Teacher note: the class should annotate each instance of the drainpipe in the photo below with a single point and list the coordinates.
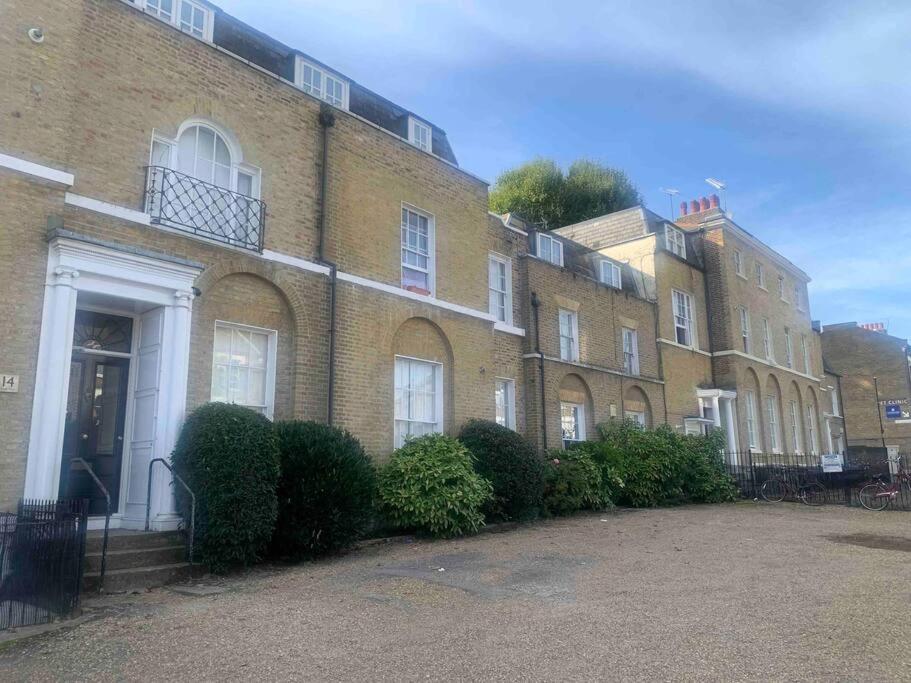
(535, 304)
(327, 121)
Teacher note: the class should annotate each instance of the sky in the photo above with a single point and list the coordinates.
(802, 108)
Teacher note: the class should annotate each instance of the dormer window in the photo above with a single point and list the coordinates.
(550, 249)
(321, 83)
(419, 134)
(189, 16)
(610, 274)
(674, 241)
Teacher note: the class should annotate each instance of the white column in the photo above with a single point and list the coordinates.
(172, 403)
(829, 436)
(731, 428)
(55, 348)
(716, 410)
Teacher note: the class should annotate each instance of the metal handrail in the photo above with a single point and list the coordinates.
(186, 488)
(107, 516)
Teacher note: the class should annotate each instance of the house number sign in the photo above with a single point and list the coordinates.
(9, 383)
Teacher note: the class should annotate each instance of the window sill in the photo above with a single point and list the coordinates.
(742, 276)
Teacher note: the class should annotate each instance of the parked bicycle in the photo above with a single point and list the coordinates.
(776, 489)
(878, 494)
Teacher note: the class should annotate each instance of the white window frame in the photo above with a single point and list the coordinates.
(768, 348)
(794, 415)
(415, 128)
(637, 416)
(771, 404)
(571, 353)
(268, 407)
(813, 443)
(555, 247)
(834, 398)
(611, 275)
(760, 276)
(788, 349)
(751, 419)
(174, 20)
(798, 299)
(738, 263)
(690, 319)
(805, 352)
(630, 347)
(431, 248)
(438, 393)
(507, 389)
(745, 329)
(494, 293)
(578, 412)
(674, 241)
(324, 76)
(781, 289)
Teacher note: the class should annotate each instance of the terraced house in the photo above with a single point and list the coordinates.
(736, 344)
(192, 211)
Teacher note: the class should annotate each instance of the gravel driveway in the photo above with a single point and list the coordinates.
(733, 592)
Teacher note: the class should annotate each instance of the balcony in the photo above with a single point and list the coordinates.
(190, 205)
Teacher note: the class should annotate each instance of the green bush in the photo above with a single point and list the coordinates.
(510, 464)
(572, 482)
(646, 468)
(325, 493)
(229, 457)
(430, 485)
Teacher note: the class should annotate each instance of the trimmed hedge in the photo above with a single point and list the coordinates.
(228, 456)
(647, 468)
(511, 465)
(430, 485)
(572, 482)
(325, 493)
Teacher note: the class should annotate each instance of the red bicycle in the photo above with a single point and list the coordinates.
(877, 495)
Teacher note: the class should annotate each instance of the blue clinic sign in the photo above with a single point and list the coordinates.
(893, 411)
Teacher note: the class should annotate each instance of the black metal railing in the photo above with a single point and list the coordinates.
(81, 463)
(186, 488)
(191, 205)
(750, 470)
(42, 556)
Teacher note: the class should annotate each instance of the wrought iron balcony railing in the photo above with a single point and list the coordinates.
(186, 203)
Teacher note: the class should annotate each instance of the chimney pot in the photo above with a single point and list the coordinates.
(694, 206)
(704, 203)
(713, 200)
(682, 208)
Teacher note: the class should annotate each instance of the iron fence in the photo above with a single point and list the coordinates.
(792, 473)
(42, 552)
(191, 205)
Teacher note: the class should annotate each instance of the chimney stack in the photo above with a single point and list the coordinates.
(875, 327)
(683, 210)
(704, 204)
(713, 201)
(694, 206)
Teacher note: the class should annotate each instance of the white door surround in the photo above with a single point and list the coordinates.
(723, 414)
(84, 266)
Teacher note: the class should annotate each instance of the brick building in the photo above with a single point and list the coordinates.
(736, 345)
(873, 368)
(193, 211)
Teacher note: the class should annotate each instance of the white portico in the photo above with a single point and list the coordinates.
(720, 406)
(111, 380)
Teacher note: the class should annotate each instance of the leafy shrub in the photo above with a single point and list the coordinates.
(572, 482)
(326, 490)
(510, 464)
(430, 485)
(228, 456)
(646, 468)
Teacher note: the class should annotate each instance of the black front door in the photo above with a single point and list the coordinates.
(95, 412)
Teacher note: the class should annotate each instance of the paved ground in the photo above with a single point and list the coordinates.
(734, 592)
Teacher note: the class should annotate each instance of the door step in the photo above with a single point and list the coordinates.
(136, 560)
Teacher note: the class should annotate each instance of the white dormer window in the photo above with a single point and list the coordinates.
(189, 16)
(674, 241)
(550, 249)
(419, 134)
(321, 83)
(610, 274)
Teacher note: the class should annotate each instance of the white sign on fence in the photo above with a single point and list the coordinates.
(832, 462)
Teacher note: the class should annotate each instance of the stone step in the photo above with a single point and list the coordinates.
(138, 557)
(121, 539)
(138, 578)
